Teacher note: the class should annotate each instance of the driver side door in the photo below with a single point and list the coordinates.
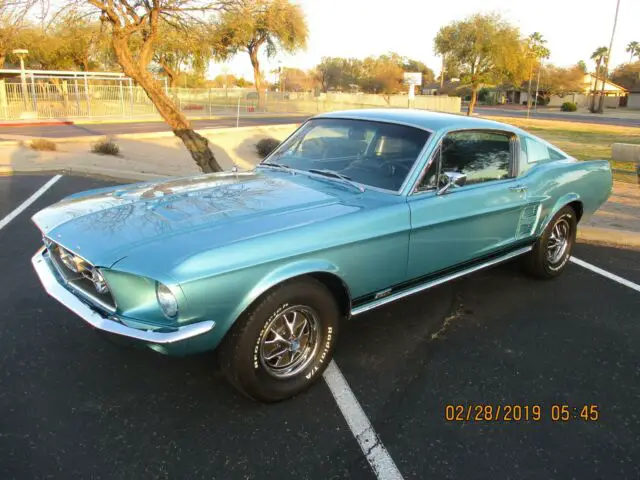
(473, 221)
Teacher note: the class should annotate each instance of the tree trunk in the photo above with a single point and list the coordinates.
(257, 78)
(474, 97)
(529, 88)
(197, 145)
(595, 89)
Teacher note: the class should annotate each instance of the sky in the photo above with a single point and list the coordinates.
(360, 28)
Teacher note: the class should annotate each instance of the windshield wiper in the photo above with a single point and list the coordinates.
(278, 165)
(338, 175)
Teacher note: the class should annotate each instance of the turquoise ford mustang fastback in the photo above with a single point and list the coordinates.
(353, 211)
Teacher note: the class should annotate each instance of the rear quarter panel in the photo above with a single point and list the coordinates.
(558, 183)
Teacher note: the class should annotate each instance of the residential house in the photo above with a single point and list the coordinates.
(615, 95)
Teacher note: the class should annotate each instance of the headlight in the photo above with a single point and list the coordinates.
(166, 300)
(99, 282)
(71, 261)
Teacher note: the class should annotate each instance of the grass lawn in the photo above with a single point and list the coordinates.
(585, 141)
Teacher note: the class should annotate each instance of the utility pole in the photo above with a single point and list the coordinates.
(606, 61)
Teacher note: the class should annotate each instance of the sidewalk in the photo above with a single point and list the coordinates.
(160, 154)
(619, 217)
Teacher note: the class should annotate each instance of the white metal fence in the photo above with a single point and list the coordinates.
(80, 100)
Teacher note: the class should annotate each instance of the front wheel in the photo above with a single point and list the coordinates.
(283, 343)
(551, 252)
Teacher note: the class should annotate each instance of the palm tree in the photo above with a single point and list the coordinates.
(536, 51)
(634, 50)
(597, 56)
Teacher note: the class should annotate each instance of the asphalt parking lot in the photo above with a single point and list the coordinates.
(73, 405)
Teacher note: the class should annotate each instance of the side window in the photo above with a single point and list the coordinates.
(481, 156)
(538, 152)
(534, 152)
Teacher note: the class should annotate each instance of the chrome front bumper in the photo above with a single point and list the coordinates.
(57, 290)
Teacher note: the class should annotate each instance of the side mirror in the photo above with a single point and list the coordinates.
(450, 179)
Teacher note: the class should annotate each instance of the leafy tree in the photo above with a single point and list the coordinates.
(335, 73)
(180, 48)
(243, 83)
(598, 56)
(224, 80)
(296, 80)
(486, 50)
(383, 74)
(249, 25)
(561, 81)
(12, 16)
(633, 48)
(627, 75)
(582, 66)
(80, 41)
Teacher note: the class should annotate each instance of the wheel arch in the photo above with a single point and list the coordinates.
(572, 200)
(322, 271)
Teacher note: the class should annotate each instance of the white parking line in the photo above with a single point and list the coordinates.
(360, 426)
(24, 205)
(604, 273)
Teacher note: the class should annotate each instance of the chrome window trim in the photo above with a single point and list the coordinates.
(514, 143)
(403, 187)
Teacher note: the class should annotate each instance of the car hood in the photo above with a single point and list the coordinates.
(104, 226)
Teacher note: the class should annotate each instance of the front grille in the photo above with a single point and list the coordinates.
(78, 276)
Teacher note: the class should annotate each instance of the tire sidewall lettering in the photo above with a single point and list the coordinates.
(323, 356)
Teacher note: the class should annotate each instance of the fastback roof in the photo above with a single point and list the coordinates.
(420, 118)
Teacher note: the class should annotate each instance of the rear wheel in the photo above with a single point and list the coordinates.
(552, 251)
(283, 343)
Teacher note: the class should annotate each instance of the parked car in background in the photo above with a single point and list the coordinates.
(353, 211)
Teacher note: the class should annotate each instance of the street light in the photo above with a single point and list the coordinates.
(21, 53)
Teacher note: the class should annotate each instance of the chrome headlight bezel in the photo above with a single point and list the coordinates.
(166, 300)
(99, 282)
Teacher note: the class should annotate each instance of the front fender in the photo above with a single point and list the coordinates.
(283, 273)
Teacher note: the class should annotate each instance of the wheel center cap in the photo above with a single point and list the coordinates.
(295, 345)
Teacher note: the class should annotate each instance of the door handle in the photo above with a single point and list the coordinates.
(518, 188)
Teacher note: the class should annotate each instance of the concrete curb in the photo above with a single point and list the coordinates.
(207, 132)
(608, 236)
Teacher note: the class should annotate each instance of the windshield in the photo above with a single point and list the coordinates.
(371, 153)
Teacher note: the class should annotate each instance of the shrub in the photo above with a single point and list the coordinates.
(265, 146)
(106, 147)
(568, 107)
(542, 100)
(42, 144)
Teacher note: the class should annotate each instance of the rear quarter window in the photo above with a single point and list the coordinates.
(533, 152)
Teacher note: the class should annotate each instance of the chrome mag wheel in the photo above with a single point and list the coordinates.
(558, 241)
(290, 341)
